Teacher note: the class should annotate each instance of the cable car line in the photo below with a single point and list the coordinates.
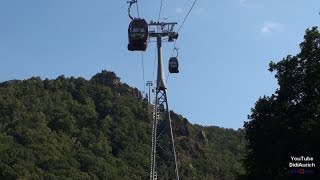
(143, 80)
(160, 10)
(184, 20)
(154, 62)
(167, 80)
(186, 16)
(137, 9)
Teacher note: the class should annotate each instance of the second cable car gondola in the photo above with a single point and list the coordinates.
(173, 65)
(138, 35)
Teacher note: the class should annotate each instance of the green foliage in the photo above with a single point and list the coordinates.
(72, 128)
(287, 123)
(208, 152)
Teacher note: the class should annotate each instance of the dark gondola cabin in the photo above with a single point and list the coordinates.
(138, 35)
(173, 65)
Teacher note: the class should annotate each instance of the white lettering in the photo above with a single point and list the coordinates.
(292, 158)
(308, 158)
(302, 165)
(313, 165)
(301, 158)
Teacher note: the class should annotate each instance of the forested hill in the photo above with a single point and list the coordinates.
(99, 129)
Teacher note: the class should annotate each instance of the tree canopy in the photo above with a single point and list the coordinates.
(287, 123)
(73, 128)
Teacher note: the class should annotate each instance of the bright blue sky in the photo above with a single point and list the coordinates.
(225, 47)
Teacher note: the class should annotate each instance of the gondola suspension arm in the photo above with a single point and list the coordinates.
(129, 9)
(176, 49)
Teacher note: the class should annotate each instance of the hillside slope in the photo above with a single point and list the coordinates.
(99, 129)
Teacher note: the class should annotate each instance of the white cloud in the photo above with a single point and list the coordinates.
(250, 4)
(271, 26)
(199, 10)
(243, 2)
(179, 10)
(196, 11)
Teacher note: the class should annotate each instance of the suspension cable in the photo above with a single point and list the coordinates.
(138, 9)
(168, 74)
(142, 63)
(184, 20)
(187, 15)
(154, 63)
(160, 10)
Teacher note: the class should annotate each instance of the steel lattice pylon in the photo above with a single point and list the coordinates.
(163, 154)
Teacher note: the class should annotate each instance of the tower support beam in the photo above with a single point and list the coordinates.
(162, 125)
(149, 84)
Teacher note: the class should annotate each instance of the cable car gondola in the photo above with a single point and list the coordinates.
(138, 35)
(173, 65)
